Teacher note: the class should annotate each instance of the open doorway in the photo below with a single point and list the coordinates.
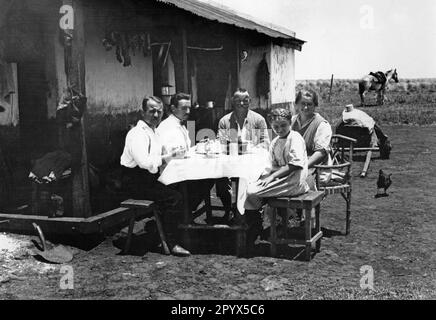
(29, 133)
(37, 134)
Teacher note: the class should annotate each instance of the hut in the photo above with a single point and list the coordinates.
(114, 53)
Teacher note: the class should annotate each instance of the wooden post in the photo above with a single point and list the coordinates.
(75, 137)
(185, 61)
(238, 63)
(331, 87)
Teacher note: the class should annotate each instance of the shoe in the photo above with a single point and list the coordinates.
(179, 251)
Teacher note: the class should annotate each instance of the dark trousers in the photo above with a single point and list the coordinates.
(143, 185)
(198, 190)
(224, 192)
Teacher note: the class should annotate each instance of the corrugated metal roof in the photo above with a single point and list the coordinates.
(228, 16)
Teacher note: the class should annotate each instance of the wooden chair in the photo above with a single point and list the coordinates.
(141, 209)
(336, 178)
(306, 202)
(364, 142)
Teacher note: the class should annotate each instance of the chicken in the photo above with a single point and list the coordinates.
(384, 182)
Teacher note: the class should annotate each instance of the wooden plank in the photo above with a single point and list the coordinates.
(335, 189)
(363, 149)
(316, 237)
(211, 227)
(65, 225)
(105, 215)
(4, 216)
(306, 201)
(290, 241)
(105, 221)
(22, 224)
(131, 203)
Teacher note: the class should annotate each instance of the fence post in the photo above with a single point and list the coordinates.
(331, 87)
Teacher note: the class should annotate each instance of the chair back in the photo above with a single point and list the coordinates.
(361, 135)
(337, 173)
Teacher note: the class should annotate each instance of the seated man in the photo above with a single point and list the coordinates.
(315, 130)
(141, 159)
(172, 131)
(174, 135)
(243, 124)
(240, 125)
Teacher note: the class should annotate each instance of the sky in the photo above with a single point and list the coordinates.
(350, 38)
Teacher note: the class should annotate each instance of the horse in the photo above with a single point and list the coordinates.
(376, 82)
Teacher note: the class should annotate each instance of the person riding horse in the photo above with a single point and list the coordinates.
(376, 81)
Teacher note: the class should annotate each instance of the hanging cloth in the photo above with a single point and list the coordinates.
(262, 78)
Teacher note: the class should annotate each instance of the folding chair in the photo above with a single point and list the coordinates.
(335, 178)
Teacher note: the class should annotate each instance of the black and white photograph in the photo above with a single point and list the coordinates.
(217, 155)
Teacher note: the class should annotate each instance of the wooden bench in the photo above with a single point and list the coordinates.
(306, 202)
(141, 209)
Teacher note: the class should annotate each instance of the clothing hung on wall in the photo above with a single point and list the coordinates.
(262, 78)
(51, 166)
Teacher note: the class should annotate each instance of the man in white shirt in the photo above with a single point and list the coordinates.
(172, 132)
(174, 135)
(141, 159)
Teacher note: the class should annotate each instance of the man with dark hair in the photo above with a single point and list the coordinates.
(172, 132)
(141, 159)
(240, 125)
(174, 136)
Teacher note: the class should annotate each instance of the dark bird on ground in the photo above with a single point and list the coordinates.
(384, 182)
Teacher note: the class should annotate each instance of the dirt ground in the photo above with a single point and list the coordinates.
(394, 235)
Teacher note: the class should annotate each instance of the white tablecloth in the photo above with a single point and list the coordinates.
(247, 168)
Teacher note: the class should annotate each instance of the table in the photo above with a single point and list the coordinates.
(248, 167)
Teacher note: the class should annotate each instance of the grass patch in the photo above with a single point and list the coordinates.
(411, 101)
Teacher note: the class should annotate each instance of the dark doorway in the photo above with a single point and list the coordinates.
(35, 130)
